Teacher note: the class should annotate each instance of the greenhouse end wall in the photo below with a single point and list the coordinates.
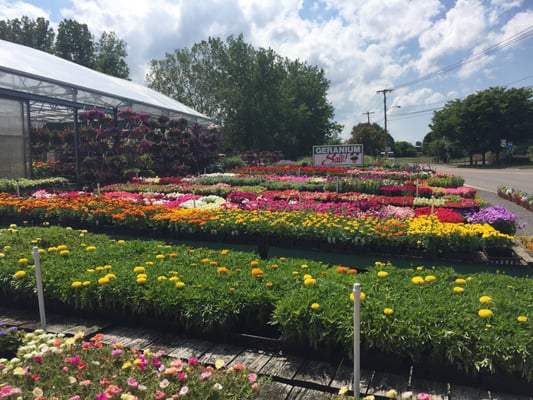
(14, 139)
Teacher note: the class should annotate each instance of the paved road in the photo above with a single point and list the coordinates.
(488, 180)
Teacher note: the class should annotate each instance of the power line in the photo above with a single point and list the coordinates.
(498, 46)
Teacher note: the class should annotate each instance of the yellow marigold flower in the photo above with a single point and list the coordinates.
(172, 255)
(141, 280)
(19, 274)
(61, 247)
(173, 279)
(522, 318)
(126, 365)
(86, 283)
(190, 251)
(307, 276)
(111, 276)
(304, 266)
(90, 248)
(488, 326)
(283, 258)
(275, 266)
(160, 256)
(64, 253)
(420, 268)
(269, 284)
(257, 272)
(121, 241)
(430, 278)
(362, 296)
(23, 261)
(99, 268)
(458, 289)
(310, 282)
(484, 313)
(2, 255)
(231, 289)
(391, 394)
(139, 276)
(224, 252)
(485, 299)
(52, 249)
(417, 280)
(139, 269)
(254, 263)
(315, 306)
(222, 270)
(383, 274)
(295, 273)
(41, 251)
(180, 285)
(149, 263)
(213, 263)
(460, 281)
(76, 284)
(388, 311)
(103, 281)
(161, 278)
(12, 226)
(107, 266)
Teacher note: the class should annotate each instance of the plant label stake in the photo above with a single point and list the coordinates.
(39, 281)
(356, 338)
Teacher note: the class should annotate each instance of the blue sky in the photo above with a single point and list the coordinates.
(427, 51)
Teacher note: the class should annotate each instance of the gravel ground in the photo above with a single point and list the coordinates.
(525, 217)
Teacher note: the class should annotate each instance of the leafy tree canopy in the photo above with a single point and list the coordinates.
(263, 101)
(480, 122)
(73, 42)
(36, 34)
(373, 138)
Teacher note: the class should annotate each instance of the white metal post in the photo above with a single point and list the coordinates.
(356, 339)
(39, 281)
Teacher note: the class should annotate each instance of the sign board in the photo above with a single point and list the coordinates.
(338, 155)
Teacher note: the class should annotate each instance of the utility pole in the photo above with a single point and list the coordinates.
(368, 115)
(384, 91)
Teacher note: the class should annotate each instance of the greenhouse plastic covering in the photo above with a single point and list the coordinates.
(56, 83)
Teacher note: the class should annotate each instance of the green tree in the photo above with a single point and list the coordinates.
(110, 55)
(482, 120)
(404, 149)
(74, 42)
(263, 101)
(373, 138)
(32, 33)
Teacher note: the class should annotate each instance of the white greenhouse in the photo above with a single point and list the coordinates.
(38, 88)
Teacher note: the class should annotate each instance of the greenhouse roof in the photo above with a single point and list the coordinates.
(53, 85)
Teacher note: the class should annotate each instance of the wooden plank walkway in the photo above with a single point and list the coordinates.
(293, 377)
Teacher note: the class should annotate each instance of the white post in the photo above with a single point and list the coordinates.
(356, 339)
(39, 281)
(98, 189)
